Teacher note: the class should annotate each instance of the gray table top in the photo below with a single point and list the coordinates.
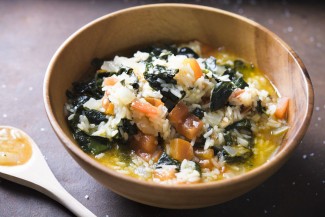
(30, 33)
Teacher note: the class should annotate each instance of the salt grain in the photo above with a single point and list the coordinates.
(311, 154)
(304, 156)
(270, 21)
(42, 129)
(87, 197)
(240, 11)
(317, 108)
(319, 118)
(4, 115)
(308, 183)
(3, 86)
(30, 88)
(290, 29)
(265, 211)
(293, 183)
(311, 39)
(319, 45)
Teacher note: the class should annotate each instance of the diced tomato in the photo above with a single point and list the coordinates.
(178, 114)
(164, 175)
(108, 106)
(145, 143)
(191, 127)
(181, 149)
(282, 107)
(186, 124)
(154, 101)
(194, 66)
(110, 81)
(144, 107)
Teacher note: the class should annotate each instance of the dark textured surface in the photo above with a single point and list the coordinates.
(30, 33)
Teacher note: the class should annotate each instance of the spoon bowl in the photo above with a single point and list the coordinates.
(36, 174)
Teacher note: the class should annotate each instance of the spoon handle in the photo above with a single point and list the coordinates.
(59, 194)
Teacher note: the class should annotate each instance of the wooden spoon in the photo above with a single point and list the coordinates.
(21, 161)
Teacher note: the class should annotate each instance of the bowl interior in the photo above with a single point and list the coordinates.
(137, 27)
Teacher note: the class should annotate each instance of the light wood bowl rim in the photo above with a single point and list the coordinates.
(278, 158)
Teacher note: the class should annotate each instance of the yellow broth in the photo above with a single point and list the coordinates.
(15, 149)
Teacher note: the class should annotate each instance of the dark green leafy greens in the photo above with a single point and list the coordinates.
(158, 76)
(95, 117)
(198, 113)
(240, 153)
(165, 159)
(220, 95)
(188, 52)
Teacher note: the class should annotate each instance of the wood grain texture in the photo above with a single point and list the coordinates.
(139, 26)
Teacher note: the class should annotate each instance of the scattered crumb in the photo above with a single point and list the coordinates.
(304, 156)
(45, 158)
(87, 197)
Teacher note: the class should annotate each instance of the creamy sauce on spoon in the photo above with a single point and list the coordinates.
(15, 148)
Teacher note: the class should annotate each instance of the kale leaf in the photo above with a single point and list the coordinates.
(220, 95)
(165, 159)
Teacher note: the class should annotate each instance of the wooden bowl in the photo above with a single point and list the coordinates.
(138, 26)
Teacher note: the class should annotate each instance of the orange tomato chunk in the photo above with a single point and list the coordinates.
(282, 107)
(145, 143)
(178, 114)
(181, 149)
(110, 81)
(194, 66)
(154, 101)
(191, 127)
(144, 107)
